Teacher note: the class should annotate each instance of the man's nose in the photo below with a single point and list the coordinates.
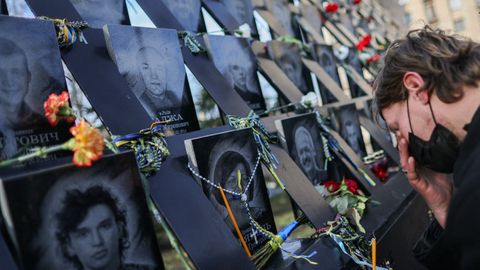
(154, 74)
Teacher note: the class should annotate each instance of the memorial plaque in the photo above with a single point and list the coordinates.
(187, 12)
(219, 158)
(100, 12)
(234, 59)
(303, 141)
(281, 12)
(3, 7)
(326, 59)
(356, 64)
(345, 120)
(241, 10)
(152, 63)
(312, 16)
(288, 57)
(30, 70)
(67, 217)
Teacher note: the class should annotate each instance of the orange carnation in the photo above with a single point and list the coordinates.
(57, 108)
(87, 145)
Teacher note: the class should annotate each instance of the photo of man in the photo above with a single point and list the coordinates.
(233, 57)
(187, 13)
(302, 139)
(153, 78)
(242, 11)
(14, 81)
(306, 155)
(29, 72)
(281, 12)
(100, 12)
(350, 129)
(89, 218)
(231, 154)
(151, 62)
(287, 57)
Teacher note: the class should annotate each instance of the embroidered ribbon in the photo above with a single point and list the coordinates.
(294, 41)
(68, 32)
(190, 41)
(349, 242)
(262, 139)
(149, 146)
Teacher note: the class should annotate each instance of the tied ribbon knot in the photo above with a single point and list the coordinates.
(68, 32)
(149, 146)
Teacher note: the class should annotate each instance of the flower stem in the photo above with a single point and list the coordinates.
(38, 152)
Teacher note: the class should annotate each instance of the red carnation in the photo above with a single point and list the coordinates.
(332, 186)
(373, 58)
(357, 2)
(331, 7)
(364, 42)
(351, 185)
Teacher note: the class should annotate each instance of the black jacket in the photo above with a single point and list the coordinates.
(458, 246)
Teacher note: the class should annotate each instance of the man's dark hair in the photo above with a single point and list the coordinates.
(76, 205)
(445, 62)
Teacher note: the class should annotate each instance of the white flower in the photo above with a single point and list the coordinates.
(310, 100)
(341, 52)
(245, 29)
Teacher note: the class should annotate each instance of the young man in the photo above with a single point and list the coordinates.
(428, 93)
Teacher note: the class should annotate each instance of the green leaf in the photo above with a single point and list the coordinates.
(354, 217)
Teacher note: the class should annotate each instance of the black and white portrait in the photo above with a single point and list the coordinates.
(326, 59)
(83, 218)
(221, 158)
(356, 64)
(281, 12)
(242, 11)
(100, 12)
(29, 72)
(234, 59)
(152, 63)
(349, 128)
(312, 16)
(304, 144)
(287, 56)
(187, 12)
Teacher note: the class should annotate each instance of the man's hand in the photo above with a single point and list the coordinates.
(435, 188)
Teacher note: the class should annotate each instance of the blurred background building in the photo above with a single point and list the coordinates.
(458, 16)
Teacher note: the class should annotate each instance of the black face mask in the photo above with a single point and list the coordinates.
(439, 153)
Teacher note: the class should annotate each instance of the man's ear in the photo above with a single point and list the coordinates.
(414, 84)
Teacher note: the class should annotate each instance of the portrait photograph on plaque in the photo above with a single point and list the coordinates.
(187, 13)
(234, 58)
(301, 136)
(312, 16)
(222, 158)
(346, 122)
(29, 73)
(354, 61)
(95, 217)
(326, 59)
(97, 13)
(288, 57)
(152, 63)
(242, 11)
(281, 12)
